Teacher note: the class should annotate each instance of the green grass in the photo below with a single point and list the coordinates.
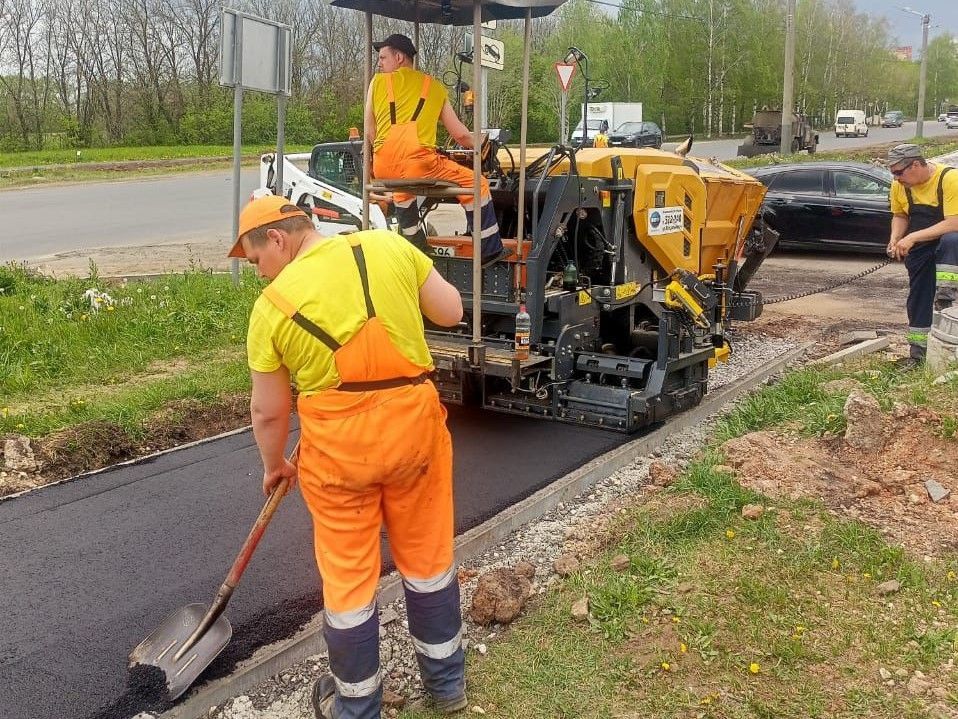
(120, 154)
(62, 363)
(717, 616)
(933, 146)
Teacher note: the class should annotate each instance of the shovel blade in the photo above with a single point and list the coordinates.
(158, 649)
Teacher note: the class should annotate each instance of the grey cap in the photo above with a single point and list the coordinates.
(900, 153)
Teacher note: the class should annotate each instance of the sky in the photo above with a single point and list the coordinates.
(907, 27)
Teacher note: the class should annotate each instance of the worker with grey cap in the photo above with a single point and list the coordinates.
(924, 235)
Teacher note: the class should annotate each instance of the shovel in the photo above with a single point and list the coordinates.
(190, 638)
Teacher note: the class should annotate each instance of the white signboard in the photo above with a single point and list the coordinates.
(493, 53)
(663, 220)
(263, 48)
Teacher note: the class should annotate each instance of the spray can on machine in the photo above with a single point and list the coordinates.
(523, 331)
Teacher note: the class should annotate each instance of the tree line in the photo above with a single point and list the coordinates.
(78, 73)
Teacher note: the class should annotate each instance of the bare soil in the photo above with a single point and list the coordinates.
(883, 487)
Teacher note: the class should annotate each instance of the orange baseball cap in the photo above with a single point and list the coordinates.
(262, 211)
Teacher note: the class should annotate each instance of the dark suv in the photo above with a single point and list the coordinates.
(893, 118)
(636, 134)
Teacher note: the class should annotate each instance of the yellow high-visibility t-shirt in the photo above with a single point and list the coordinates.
(407, 85)
(927, 193)
(324, 284)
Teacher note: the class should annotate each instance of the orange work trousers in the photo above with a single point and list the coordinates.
(368, 459)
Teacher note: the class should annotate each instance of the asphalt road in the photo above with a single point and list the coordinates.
(728, 149)
(175, 209)
(89, 567)
(198, 207)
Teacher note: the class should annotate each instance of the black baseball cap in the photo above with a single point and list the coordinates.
(398, 42)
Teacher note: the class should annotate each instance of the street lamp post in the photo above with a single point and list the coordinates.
(582, 60)
(788, 99)
(925, 22)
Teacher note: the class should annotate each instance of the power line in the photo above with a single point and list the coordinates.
(659, 13)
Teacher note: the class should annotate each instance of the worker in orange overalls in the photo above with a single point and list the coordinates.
(403, 107)
(343, 315)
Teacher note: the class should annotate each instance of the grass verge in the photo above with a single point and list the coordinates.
(31, 169)
(932, 146)
(118, 353)
(718, 616)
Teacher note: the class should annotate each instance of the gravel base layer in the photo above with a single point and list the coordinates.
(287, 695)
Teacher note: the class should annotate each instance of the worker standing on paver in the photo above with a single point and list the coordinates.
(403, 107)
(924, 234)
(343, 315)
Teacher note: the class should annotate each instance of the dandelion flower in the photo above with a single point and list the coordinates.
(835, 563)
(730, 533)
(867, 575)
(666, 666)
(936, 603)
(754, 668)
(682, 647)
(952, 576)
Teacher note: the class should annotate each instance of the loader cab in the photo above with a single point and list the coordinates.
(338, 164)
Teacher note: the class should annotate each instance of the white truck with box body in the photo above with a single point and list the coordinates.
(851, 123)
(615, 113)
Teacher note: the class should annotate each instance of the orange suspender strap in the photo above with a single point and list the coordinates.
(391, 97)
(288, 309)
(426, 82)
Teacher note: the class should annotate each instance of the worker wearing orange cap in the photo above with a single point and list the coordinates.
(343, 315)
(403, 107)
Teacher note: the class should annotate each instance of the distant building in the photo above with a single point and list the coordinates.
(902, 53)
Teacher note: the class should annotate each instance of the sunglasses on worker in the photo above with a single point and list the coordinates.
(899, 173)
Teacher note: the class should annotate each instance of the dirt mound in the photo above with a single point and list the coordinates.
(886, 481)
(83, 447)
(93, 445)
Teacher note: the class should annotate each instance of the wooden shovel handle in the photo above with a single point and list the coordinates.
(239, 564)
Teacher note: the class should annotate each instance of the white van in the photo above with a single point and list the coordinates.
(849, 123)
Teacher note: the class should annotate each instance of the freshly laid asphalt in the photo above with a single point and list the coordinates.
(91, 566)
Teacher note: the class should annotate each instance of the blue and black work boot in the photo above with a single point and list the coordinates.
(451, 705)
(324, 697)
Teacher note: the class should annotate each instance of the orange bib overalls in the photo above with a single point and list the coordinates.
(401, 155)
(374, 450)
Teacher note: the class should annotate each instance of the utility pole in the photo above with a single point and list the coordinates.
(925, 22)
(788, 101)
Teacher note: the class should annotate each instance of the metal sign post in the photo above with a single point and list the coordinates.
(254, 55)
(565, 73)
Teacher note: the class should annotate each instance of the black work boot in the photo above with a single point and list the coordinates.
(324, 697)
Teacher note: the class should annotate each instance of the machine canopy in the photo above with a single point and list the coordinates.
(450, 12)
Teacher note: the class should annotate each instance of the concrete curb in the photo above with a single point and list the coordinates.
(309, 641)
(858, 350)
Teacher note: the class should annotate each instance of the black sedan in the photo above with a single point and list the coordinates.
(636, 134)
(828, 205)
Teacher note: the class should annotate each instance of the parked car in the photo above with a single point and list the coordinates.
(951, 122)
(942, 117)
(893, 118)
(827, 205)
(636, 134)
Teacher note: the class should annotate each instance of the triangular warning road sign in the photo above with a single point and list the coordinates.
(565, 73)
